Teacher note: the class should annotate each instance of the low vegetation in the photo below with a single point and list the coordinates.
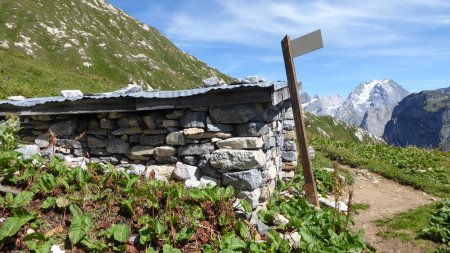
(408, 165)
(44, 203)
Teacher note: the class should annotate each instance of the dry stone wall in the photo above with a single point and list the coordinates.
(246, 146)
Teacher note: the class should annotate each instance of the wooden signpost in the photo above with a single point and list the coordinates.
(292, 49)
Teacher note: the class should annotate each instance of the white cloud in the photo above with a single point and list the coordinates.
(366, 26)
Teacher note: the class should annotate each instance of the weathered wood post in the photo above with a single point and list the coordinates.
(292, 49)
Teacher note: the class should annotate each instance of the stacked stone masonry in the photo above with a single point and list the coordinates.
(246, 146)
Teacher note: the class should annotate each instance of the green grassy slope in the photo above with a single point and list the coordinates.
(46, 46)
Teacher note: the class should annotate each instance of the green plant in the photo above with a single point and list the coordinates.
(8, 132)
(438, 228)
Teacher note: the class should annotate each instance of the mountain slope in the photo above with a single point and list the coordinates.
(370, 105)
(322, 106)
(46, 46)
(421, 119)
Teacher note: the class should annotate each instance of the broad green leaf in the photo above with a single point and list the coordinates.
(242, 228)
(229, 192)
(247, 207)
(75, 210)
(150, 250)
(167, 248)
(48, 202)
(47, 182)
(145, 235)
(64, 183)
(12, 225)
(34, 236)
(80, 224)
(130, 183)
(22, 199)
(121, 232)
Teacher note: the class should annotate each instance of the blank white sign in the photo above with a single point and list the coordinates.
(307, 43)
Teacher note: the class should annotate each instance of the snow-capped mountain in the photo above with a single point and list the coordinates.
(370, 105)
(322, 106)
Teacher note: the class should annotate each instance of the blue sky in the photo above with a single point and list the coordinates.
(405, 40)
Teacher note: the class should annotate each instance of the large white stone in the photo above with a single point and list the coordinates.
(241, 143)
(165, 151)
(185, 172)
(140, 150)
(229, 159)
(176, 138)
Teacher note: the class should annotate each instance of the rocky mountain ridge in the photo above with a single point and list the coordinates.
(421, 119)
(369, 106)
(47, 46)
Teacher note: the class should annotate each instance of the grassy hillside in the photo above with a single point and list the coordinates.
(46, 46)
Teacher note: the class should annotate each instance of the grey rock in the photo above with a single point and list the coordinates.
(117, 146)
(176, 138)
(289, 125)
(191, 160)
(170, 123)
(240, 113)
(161, 171)
(99, 152)
(241, 143)
(165, 151)
(177, 114)
(280, 219)
(28, 151)
(166, 159)
(196, 149)
(247, 180)
(135, 138)
(142, 150)
(94, 142)
(127, 131)
(207, 180)
(289, 156)
(227, 159)
(109, 159)
(252, 197)
(253, 79)
(155, 131)
(42, 143)
(149, 121)
(199, 108)
(209, 135)
(290, 146)
(98, 131)
(67, 143)
(213, 81)
(312, 152)
(152, 140)
(185, 172)
(252, 129)
(80, 152)
(64, 128)
(71, 93)
(193, 119)
(129, 121)
(193, 130)
(108, 123)
(219, 128)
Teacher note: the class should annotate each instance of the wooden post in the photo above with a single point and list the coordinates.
(310, 184)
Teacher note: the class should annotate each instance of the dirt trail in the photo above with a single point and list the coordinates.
(386, 198)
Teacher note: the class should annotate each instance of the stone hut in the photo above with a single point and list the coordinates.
(240, 135)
